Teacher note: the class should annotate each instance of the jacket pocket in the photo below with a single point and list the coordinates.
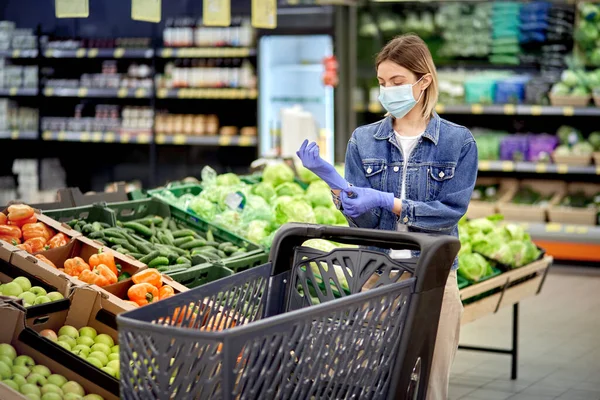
(437, 177)
(375, 172)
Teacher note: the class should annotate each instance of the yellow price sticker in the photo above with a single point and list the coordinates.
(109, 137)
(264, 14)
(167, 53)
(570, 229)
(124, 138)
(49, 92)
(510, 109)
(180, 93)
(62, 135)
(553, 227)
(440, 108)
(179, 139)
(162, 93)
(146, 10)
(82, 92)
(13, 91)
(484, 165)
(143, 138)
(122, 92)
(536, 110)
(47, 135)
(253, 94)
(568, 111)
(161, 138)
(119, 53)
(216, 12)
(524, 225)
(14, 135)
(541, 168)
(582, 230)
(80, 53)
(72, 8)
(96, 137)
(597, 169)
(562, 168)
(16, 53)
(508, 166)
(141, 92)
(246, 141)
(93, 53)
(84, 137)
(476, 109)
(224, 140)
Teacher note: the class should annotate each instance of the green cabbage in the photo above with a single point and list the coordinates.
(276, 174)
(257, 231)
(294, 211)
(325, 215)
(306, 175)
(319, 194)
(229, 179)
(203, 208)
(264, 190)
(473, 267)
(289, 189)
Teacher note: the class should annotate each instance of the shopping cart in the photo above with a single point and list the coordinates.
(290, 330)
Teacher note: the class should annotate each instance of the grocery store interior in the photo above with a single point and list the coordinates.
(150, 185)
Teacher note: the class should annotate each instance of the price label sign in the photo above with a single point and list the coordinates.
(264, 14)
(72, 8)
(216, 12)
(146, 10)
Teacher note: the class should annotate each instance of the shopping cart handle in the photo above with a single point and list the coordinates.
(437, 251)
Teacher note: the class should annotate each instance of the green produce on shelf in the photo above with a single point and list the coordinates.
(580, 199)
(527, 195)
(594, 140)
(567, 135)
(485, 193)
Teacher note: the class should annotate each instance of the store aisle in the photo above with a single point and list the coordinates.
(559, 345)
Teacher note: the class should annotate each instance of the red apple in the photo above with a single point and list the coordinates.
(49, 334)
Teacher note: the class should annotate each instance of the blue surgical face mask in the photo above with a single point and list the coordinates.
(398, 100)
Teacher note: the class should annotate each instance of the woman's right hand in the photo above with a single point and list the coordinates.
(309, 155)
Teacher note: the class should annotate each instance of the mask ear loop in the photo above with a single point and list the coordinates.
(422, 91)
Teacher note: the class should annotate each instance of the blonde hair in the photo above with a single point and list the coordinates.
(411, 52)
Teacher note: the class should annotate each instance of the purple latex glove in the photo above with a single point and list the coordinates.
(309, 155)
(356, 200)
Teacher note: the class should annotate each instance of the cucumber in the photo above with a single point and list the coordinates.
(224, 244)
(165, 223)
(229, 249)
(139, 228)
(179, 241)
(209, 236)
(158, 261)
(72, 223)
(129, 247)
(114, 232)
(170, 236)
(183, 232)
(149, 257)
(192, 244)
(96, 227)
(114, 240)
(182, 260)
(104, 225)
(96, 235)
(137, 256)
(221, 253)
(172, 225)
(179, 251)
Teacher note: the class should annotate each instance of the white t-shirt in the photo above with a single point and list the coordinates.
(407, 144)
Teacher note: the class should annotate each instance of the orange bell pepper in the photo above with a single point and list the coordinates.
(143, 293)
(27, 247)
(11, 240)
(18, 212)
(104, 258)
(49, 232)
(101, 276)
(3, 219)
(150, 276)
(21, 222)
(10, 231)
(31, 231)
(165, 291)
(37, 244)
(43, 258)
(75, 266)
(59, 240)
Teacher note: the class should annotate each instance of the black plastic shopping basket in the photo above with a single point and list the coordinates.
(290, 330)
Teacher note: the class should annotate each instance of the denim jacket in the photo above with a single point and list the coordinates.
(440, 178)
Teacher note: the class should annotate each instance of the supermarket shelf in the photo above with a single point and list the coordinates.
(18, 91)
(206, 52)
(139, 93)
(97, 137)
(219, 140)
(227, 93)
(17, 53)
(539, 168)
(99, 53)
(19, 135)
(501, 109)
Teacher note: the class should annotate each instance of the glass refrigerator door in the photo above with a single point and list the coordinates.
(291, 74)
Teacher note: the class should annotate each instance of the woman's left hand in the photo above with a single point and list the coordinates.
(356, 200)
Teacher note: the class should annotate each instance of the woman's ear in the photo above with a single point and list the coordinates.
(426, 81)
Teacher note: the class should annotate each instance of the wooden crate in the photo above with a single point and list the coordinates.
(532, 213)
(504, 290)
(573, 215)
(506, 190)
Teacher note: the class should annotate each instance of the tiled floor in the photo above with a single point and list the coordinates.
(559, 345)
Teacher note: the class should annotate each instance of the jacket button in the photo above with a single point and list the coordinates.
(396, 169)
(441, 174)
(405, 220)
(369, 170)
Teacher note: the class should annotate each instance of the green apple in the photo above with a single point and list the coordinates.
(12, 384)
(42, 370)
(64, 344)
(38, 290)
(69, 331)
(1, 287)
(19, 379)
(73, 387)
(72, 396)
(54, 296)
(114, 349)
(88, 331)
(27, 297)
(106, 339)
(114, 365)
(5, 371)
(8, 351)
(51, 388)
(57, 380)
(12, 289)
(81, 350)
(20, 370)
(23, 282)
(30, 388)
(52, 396)
(101, 347)
(92, 396)
(111, 372)
(113, 356)
(68, 339)
(6, 360)
(95, 362)
(41, 300)
(85, 340)
(100, 356)
(24, 360)
(36, 379)
(33, 396)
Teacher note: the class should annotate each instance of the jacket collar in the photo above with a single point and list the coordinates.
(432, 132)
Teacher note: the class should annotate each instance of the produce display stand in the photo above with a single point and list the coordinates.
(506, 289)
(64, 199)
(281, 335)
(80, 199)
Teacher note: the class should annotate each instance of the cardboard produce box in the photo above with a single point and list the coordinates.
(576, 215)
(480, 208)
(7, 250)
(533, 213)
(26, 342)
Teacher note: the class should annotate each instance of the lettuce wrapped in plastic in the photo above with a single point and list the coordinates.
(319, 194)
(229, 219)
(257, 208)
(264, 190)
(229, 179)
(473, 267)
(325, 215)
(276, 174)
(203, 208)
(294, 211)
(289, 189)
(257, 231)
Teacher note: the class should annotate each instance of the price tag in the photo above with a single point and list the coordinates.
(476, 109)
(143, 138)
(440, 108)
(80, 53)
(84, 137)
(162, 93)
(47, 135)
(264, 14)
(166, 53)
(597, 169)
(141, 92)
(553, 227)
(224, 140)
(541, 168)
(119, 53)
(161, 138)
(562, 168)
(536, 110)
(14, 135)
(179, 139)
(62, 135)
(72, 8)
(568, 111)
(570, 229)
(48, 92)
(122, 92)
(253, 94)
(508, 166)
(180, 93)
(96, 137)
(93, 53)
(109, 137)
(484, 165)
(184, 53)
(13, 91)
(82, 92)
(124, 138)
(216, 12)
(146, 10)
(246, 141)
(16, 53)
(582, 230)
(510, 109)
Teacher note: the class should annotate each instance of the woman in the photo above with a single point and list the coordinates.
(410, 171)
